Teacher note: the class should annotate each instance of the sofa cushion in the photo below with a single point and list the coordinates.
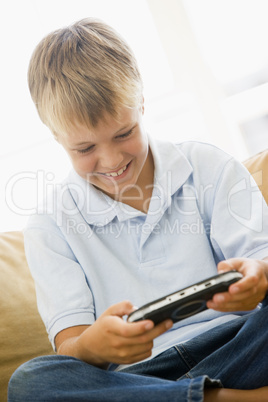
(258, 167)
(22, 333)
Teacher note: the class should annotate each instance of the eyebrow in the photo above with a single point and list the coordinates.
(83, 143)
(118, 131)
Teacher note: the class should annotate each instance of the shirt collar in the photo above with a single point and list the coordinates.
(172, 169)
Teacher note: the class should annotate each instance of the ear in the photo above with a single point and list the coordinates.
(56, 137)
(142, 105)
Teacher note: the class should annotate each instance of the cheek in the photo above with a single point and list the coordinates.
(84, 164)
(137, 147)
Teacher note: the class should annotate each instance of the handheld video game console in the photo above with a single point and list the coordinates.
(185, 302)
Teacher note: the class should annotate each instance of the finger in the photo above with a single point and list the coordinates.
(143, 331)
(235, 296)
(238, 293)
(161, 328)
(134, 347)
(123, 328)
(234, 306)
(250, 278)
(245, 284)
(241, 301)
(115, 325)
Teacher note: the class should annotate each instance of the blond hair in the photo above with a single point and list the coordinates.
(78, 73)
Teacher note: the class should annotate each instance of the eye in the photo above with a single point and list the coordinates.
(125, 135)
(86, 150)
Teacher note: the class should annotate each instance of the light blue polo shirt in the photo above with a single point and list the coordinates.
(87, 251)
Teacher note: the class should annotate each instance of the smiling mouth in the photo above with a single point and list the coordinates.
(118, 173)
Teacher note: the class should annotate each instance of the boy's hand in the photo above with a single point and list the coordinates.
(248, 292)
(111, 339)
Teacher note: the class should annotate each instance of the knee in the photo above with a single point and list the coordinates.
(43, 377)
(20, 384)
(26, 382)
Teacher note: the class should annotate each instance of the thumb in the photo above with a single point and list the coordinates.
(237, 264)
(228, 265)
(120, 309)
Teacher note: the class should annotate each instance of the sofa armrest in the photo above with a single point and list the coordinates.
(22, 332)
(258, 167)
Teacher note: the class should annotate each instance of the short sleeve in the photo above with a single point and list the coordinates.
(239, 221)
(64, 298)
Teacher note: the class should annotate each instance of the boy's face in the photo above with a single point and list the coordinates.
(113, 156)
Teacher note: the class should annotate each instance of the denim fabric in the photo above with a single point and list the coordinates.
(235, 353)
(66, 379)
(238, 352)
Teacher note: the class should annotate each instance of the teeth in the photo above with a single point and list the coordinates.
(115, 174)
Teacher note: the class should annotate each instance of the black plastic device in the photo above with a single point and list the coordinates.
(185, 302)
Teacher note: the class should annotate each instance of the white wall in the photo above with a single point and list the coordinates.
(178, 45)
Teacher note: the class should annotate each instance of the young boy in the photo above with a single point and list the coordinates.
(135, 220)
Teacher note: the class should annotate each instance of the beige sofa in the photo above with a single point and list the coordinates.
(22, 333)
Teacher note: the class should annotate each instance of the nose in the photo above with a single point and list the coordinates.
(110, 158)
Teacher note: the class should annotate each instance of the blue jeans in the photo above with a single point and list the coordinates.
(233, 355)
